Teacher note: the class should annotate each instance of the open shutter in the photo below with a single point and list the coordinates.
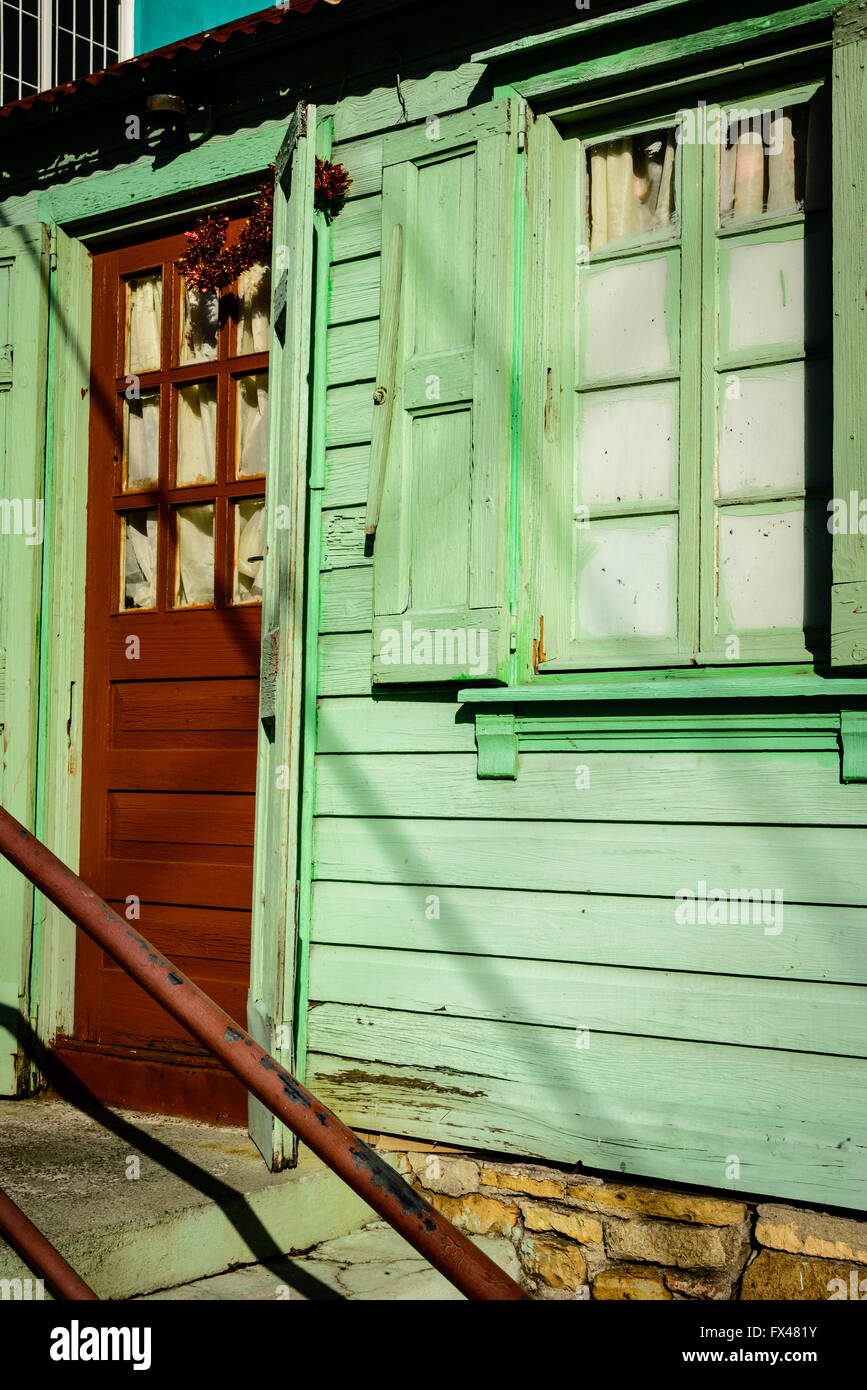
(24, 271)
(849, 202)
(272, 967)
(441, 457)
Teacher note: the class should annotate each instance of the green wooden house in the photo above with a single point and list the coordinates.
(487, 728)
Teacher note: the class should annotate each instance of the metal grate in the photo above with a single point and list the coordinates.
(44, 43)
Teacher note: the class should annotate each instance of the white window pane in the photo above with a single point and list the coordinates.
(194, 579)
(252, 448)
(197, 433)
(627, 578)
(141, 441)
(762, 572)
(627, 445)
(144, 301)
(139, 559)
(765, 285)
(631, 187)
(249, 550)
(773, 429)
(625, 331)
(766, 162)
(200, 310)
(254, 319)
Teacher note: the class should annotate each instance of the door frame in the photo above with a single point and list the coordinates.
(80, 219)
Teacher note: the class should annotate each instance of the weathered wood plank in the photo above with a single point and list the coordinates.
(344, 664)
(357, 231)
(404, 725)
(343, 538)
(817, 943)
(717, 788)
(346, 474)
(803, 1016)
(809, 864)
(407, 99)
(352, 352)
(349, 415)
(355, 291)
(346, 601)
(362, 160)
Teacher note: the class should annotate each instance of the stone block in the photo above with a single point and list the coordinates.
(574, 1224)
(775, 1275)
(631, 1284)
(812, 1233)
(634, 1200)
(556, 1263)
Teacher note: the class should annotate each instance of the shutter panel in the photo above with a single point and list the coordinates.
(272, 967)
(849, 203)
(441, 465)
(24, 271)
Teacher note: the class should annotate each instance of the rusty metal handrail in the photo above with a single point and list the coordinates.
(366, 1172)
(21, 1233)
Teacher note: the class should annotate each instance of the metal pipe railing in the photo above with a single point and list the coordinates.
(29, 1241)
(366, 1172)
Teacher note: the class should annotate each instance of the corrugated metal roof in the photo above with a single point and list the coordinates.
(275, 14)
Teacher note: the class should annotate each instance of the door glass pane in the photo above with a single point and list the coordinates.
(627, 578)
(200, 312)
(139, 559)
(144, 302)
(141, 465)
(194, 576)
(252, 449)
(627, 448)
(764, 163)
(631, 324)
(197, 433)
(254, 319)
(772, 567)
(631, 183)
(249, 531)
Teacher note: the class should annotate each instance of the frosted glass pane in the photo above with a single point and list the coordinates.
(766, 294)
(631, 182)
(141, 465)
(249, 550)
(139, 558)
(252, 454)
(144, 302)
(774, 428)
(200, 311)
(627, 446)
(627, 579)
(197, 433)
(762, 576)
(254, 317)
(624, 331)
(194, 578)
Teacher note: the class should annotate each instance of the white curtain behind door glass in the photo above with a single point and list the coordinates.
(762, 166)
(249, 549)
(195, 557)
(631, 186)
(252, 424)
(197, 433)
(140, 559)
(142, 436)
(254, 317)
(144, 305)
(200, 314)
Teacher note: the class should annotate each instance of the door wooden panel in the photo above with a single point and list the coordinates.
(179, 410)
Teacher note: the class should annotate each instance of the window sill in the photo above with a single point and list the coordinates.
(560, 716)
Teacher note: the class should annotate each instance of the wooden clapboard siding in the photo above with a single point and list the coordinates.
(817, 943)
(796, 1015)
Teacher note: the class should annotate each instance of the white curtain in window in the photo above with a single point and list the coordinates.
(200, 311)
(251, 551)
(758, 174)
(631, 187)
(252, 424)
(144, 309)
(143, 441)
(195, 580)
(197, 433)
(254, 294)
(140, 559)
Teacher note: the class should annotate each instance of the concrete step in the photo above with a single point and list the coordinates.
(371, 1264)
(138, 1203)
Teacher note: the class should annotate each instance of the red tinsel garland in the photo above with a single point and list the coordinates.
(209, 264)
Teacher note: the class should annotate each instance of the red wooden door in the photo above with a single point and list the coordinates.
(175, 544)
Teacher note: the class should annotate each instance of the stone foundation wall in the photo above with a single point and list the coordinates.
(579, 1236)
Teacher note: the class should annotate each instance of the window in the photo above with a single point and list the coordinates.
(44, 43)
(192, 428)
(684, 512)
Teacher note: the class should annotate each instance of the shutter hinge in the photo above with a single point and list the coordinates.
(52, 251)
(6, 367)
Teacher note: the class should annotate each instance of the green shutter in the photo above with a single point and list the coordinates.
(272, 968)
(849, 196)
(442, 455)
(24, 272)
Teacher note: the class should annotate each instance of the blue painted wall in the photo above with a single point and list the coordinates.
(159, 22)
